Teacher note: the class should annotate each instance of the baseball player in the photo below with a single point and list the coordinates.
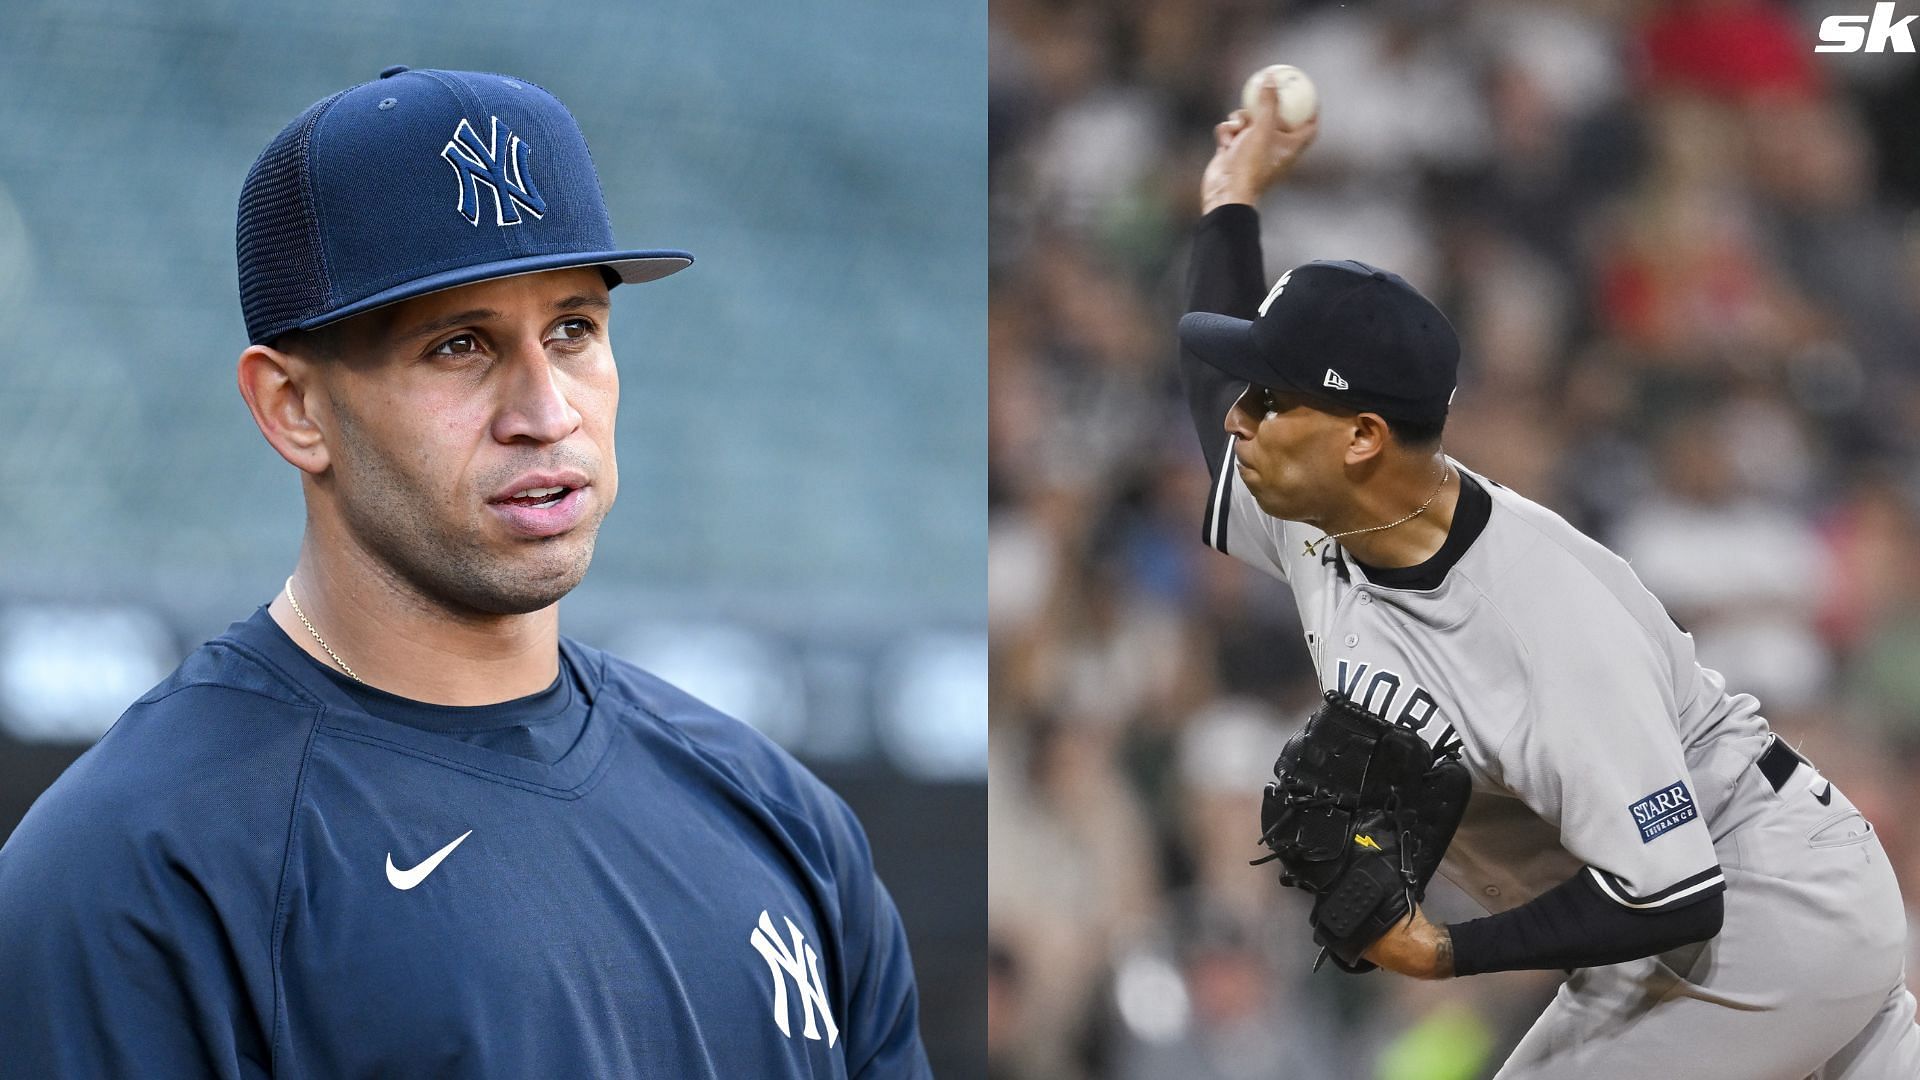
(394, 824)
(1724, 910)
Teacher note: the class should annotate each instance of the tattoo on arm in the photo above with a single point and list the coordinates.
(1443, 954)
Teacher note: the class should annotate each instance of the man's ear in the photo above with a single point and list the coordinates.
(1369, 439)
(282, 391)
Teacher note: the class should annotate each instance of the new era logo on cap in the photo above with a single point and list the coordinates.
(1334, 380)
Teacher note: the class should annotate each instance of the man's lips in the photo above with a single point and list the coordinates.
(542, 504)
(546, 517)
(535, 481)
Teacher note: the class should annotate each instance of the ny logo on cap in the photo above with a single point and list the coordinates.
(477, 163)
(1278, 288)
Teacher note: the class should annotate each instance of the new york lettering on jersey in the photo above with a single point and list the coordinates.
(1378, 691)
(1446, 658)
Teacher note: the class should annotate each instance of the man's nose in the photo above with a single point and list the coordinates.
(536, 405)
(1240, 421)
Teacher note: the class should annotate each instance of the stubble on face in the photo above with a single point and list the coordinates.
(423, 440)
(434, 540)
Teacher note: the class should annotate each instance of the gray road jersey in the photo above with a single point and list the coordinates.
(1594, 737)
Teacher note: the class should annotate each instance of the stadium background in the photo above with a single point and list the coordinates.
(802, 517)
(1681, 250)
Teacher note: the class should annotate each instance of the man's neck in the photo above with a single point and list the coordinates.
(1393, 497)
(399, 641)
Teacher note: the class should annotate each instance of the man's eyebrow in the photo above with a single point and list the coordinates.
(459, 318)
(473, 315)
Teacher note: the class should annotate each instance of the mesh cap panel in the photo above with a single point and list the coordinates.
(283, 272)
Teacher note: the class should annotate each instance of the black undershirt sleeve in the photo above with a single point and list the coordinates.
(1574, 925)
(1227, 278)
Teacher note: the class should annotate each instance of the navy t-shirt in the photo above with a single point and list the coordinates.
(542, 726)
(264, 871)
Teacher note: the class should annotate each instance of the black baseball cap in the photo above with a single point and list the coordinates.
(1343, 332)
(417, 181)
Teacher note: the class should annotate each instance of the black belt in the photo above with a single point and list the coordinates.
(1778, 761)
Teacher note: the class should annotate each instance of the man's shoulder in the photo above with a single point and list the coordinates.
(185, 802)
(199, 759)
(728, 745)
(1547, 577)
(231, 662)
(1529, 541)
(225, 702)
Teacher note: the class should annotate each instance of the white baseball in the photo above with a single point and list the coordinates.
(1298, 99)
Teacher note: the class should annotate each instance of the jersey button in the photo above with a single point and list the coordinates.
(1352, 640)
(1366, 598)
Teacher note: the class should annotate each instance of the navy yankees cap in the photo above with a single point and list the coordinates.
(415, 182)
(1343, 332)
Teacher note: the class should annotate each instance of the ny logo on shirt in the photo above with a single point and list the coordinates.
(784, 963)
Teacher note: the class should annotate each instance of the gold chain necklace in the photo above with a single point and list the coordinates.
(329, 649)
(1313, 546)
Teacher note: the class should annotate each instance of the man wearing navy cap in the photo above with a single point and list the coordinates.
(1633, 821)
(394, 824)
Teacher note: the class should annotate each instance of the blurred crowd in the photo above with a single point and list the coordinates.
(1680, 248)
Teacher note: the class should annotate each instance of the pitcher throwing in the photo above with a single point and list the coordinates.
(1724, 910)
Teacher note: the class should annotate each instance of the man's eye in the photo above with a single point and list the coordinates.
(573, 329)
(457, 346)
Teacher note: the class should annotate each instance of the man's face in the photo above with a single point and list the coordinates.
(450, 420)
(1290, 451)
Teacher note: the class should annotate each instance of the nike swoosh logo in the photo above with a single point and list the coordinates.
(1825, 795)
(407, 879)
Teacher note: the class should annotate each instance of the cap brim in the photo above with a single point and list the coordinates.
(632, 267)
(1225, 342)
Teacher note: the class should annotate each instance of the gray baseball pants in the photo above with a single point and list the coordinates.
(1804, 982)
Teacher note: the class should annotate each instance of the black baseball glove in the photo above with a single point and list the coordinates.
(1360, 815)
